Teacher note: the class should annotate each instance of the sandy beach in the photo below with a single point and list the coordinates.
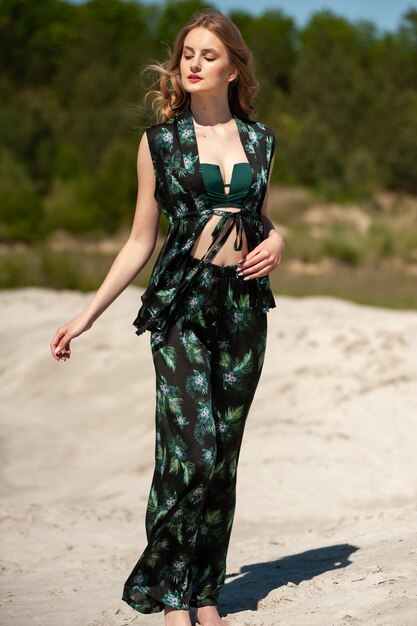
(325, 530)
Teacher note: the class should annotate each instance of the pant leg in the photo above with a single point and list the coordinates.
(185, 453)
(236, 362)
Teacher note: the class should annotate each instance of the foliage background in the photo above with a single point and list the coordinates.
(340, 95)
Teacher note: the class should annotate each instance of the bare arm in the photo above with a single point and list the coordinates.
(141, 242)
(130, 260)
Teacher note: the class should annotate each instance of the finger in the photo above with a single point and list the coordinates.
(264, 272)
(256, 262)
(249, 257)
(55, 343)
(260, 269)
(255, 256)
(60, 345)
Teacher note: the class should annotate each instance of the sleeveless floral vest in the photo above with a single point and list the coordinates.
(182, 197)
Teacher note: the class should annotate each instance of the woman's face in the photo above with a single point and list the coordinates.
(205, 55)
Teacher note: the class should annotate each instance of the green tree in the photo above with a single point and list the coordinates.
(20, 206)
(174, 14)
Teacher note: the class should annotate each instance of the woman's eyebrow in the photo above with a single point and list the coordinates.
(204, 50)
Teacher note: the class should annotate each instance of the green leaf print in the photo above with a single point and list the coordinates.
(188, 467)
(196, 384)
(219, 470)
(181, 421)
(193, 309)
(176, 186)
(166, 295)
(209, 456)
(173, 599)
(153, 501)
(189, 161)
(168, 353)
(228, 422)
(160, 458)
(240, 315)
(140, 578)
(233, 414)
(243, 302)
(214, 518)
(175, 526)
(192, 346)
(190, 519)
(168, 398)
(178, 459)
(169, 498)
(177, 448)
(178, 568)
(269, 141)
(186, 131)
(164, 139)
(235, 370)
(176, 163)
(154, 556)
(210, 307)
(196, 495)
(205, 423)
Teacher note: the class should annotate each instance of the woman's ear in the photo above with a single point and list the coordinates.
(233, 74)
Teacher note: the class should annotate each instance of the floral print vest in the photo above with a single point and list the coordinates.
(182, 197)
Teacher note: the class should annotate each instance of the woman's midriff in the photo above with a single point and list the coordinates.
(226, 255)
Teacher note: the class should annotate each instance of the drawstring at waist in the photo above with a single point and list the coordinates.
(236, 219)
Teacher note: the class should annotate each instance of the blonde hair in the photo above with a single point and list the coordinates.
(171, 98)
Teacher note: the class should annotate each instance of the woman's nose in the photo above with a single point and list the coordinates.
(195, 66)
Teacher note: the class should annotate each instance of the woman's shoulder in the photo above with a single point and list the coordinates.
(160, 135)
(263, 136)
(261, 129)
(264, 128)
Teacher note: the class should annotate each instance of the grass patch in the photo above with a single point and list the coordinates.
(385, 285)
(345, 244)
(39, 266)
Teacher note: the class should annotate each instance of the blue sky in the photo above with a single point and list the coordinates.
(385, 14)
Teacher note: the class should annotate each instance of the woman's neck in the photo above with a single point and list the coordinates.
(210, 112)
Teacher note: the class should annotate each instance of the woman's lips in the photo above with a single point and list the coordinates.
(194, 79)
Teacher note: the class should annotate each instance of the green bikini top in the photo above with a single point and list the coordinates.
(239, 184)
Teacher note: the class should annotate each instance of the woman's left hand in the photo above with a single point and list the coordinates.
(263, 259)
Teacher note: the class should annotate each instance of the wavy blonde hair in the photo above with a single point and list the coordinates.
(170, 97)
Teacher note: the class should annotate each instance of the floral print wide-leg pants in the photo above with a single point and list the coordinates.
(207, 370)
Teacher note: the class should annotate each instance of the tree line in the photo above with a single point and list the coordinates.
(340, 95)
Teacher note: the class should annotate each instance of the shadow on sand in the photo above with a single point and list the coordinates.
(254, 582)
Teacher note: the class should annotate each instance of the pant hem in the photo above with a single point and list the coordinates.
(153, 599)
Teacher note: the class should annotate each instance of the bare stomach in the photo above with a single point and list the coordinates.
(227, 255)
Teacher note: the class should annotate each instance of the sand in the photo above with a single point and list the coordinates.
(325, 530)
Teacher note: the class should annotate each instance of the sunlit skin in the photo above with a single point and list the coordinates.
(205, 55)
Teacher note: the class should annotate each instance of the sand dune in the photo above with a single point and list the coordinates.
(326, 521)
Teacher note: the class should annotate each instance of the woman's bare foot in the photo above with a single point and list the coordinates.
(176, 617)
(209, 616)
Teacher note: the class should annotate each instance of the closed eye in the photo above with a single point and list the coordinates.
(206, 58)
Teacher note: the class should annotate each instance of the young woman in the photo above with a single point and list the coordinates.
(205, 307)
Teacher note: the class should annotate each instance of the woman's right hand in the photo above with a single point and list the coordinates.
(60, 344)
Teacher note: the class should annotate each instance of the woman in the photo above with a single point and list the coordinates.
(205, 307)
